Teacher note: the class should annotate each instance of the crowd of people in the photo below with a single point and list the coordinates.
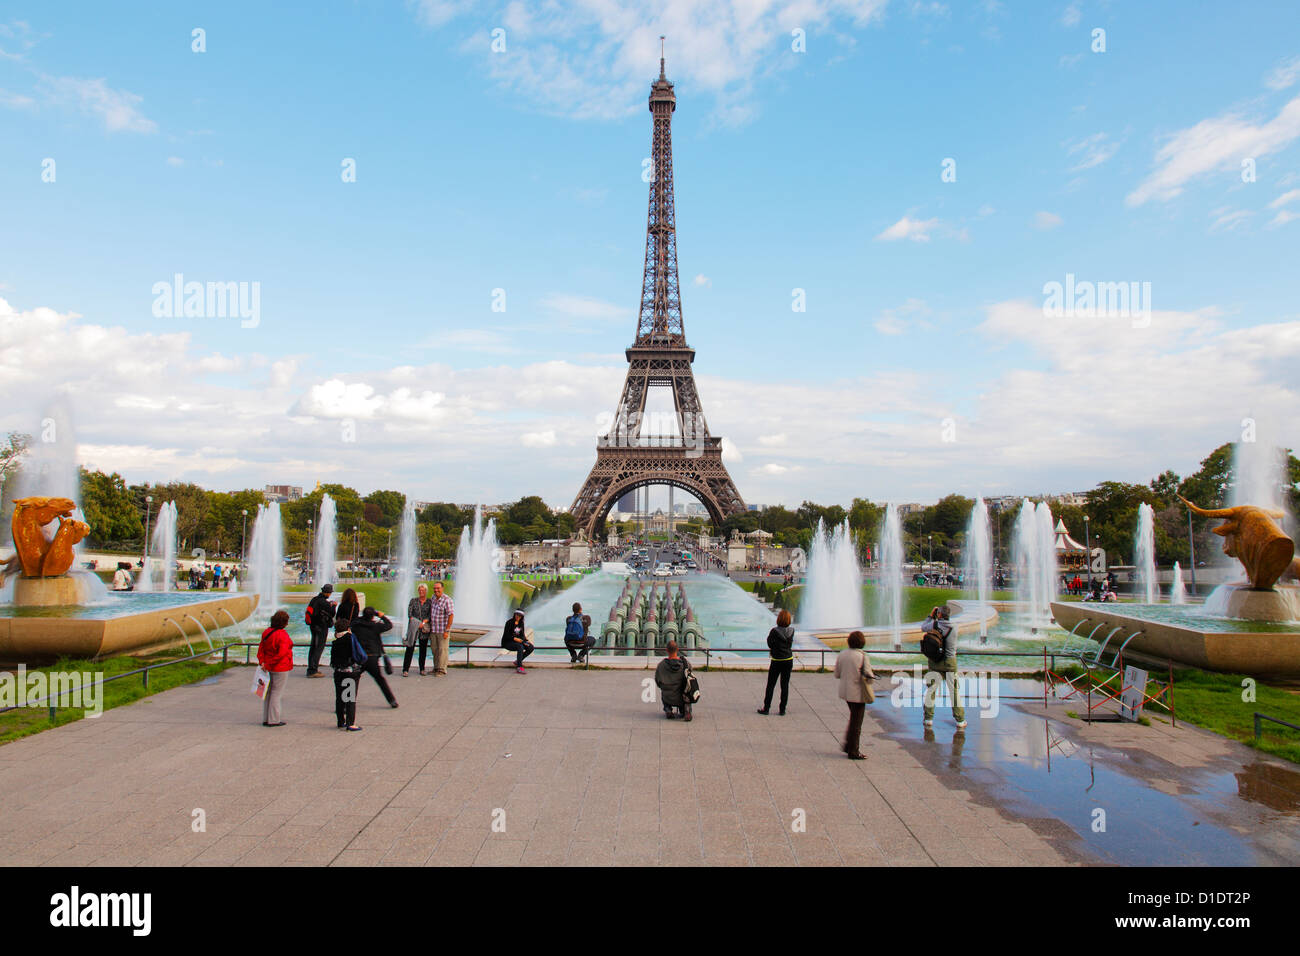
(358, 649)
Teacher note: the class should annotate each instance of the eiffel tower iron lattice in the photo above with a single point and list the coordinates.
(626, 459)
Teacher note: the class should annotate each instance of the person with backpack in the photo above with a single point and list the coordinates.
(320, 617)
(575, 635)
(515, 638)
(677, 685)
(348, 660)
(939, 645)
(780, 647)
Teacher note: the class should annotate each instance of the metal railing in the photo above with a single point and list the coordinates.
(1260, 718)
(143, 672)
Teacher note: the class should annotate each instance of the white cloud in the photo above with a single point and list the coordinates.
(918, 230)
(897, 320)
(118, 109)
(175, 161)
(1283, 217)
(1228, 219)
(585, 307)
(15, 101)
(719, 47)
(1046, 220)
(1287, 197)
(1091, 151)
(542, 439)
(772, 441)
(1216, 144)
(1071, 15)
(703, 280)
(1284, 74)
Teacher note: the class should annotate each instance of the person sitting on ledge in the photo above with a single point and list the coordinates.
(122, 577)
(515, 638)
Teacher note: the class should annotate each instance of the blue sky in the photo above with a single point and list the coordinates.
(521, 170)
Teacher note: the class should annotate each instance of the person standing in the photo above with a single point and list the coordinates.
(853, 671)
(441, 616)
(275, 655)
(347, 664)
(419, 627)
(780, 647)
(943, 667)
(122, 577)
(369, 629)
(320, 617)
(515, 638)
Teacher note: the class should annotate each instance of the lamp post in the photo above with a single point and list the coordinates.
(1087, 544)
(390, 545)
(931, 560)
(356, 547)
(307, 562)
(148, 504)
(243, 534)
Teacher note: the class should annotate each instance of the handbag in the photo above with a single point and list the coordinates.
(261, 681)
(868, 692)
(358, 652)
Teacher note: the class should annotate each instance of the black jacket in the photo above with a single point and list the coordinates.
(508, 633)
(343, 617)
(341, 658)
(370, 633)
(322, 613)
(780, 643)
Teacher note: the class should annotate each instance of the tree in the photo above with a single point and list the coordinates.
(12, 453)
(109, 509)
(390, 505)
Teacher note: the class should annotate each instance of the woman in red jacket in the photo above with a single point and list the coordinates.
(275, 654)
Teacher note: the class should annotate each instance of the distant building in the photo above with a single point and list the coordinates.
(282, 493)
(910, 509)
(1071, 499)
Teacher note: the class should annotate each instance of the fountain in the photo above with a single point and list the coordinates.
(832, 598)
(1246, 628)
(889, 595)
(977, 559)
(407, 554)
(478, 588)
(1144, 553)
(1035, 558)
(56, 612)
(327, 542)
(1178, 590)
(266, 556)
(163, 544)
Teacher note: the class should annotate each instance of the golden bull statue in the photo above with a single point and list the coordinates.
(38, 556)
(1252, 537)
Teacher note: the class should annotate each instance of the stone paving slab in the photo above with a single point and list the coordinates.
(489, 767)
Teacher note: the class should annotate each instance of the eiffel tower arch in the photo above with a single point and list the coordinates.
(690, 458)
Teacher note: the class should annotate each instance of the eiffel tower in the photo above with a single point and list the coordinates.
(626, 459)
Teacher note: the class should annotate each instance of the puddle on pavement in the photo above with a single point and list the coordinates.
(1154, 813)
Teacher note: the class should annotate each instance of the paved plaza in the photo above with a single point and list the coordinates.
(573, 767)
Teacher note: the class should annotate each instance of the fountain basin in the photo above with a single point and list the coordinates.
(965, 619)
(1168, 633)
(74, 588)
(39, 635)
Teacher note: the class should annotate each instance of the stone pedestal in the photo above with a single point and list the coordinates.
(1275, 604)
(48, 592)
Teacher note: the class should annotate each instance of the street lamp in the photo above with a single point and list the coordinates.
(307, 562)
(243, 534)
(931, 550)
(356, 547)
(390, 545)
(148, 504)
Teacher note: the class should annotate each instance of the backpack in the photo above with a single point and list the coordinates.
(932, 642)
(691, 689)
(573, 628)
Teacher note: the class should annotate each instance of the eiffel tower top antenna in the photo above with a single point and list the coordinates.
(661, 57)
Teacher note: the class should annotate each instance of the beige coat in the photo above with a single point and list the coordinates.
(851, 667)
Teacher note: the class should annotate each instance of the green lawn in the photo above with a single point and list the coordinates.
(32, 720)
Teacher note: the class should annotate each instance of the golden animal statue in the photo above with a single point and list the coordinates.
(1252, 537)
(38, 556)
